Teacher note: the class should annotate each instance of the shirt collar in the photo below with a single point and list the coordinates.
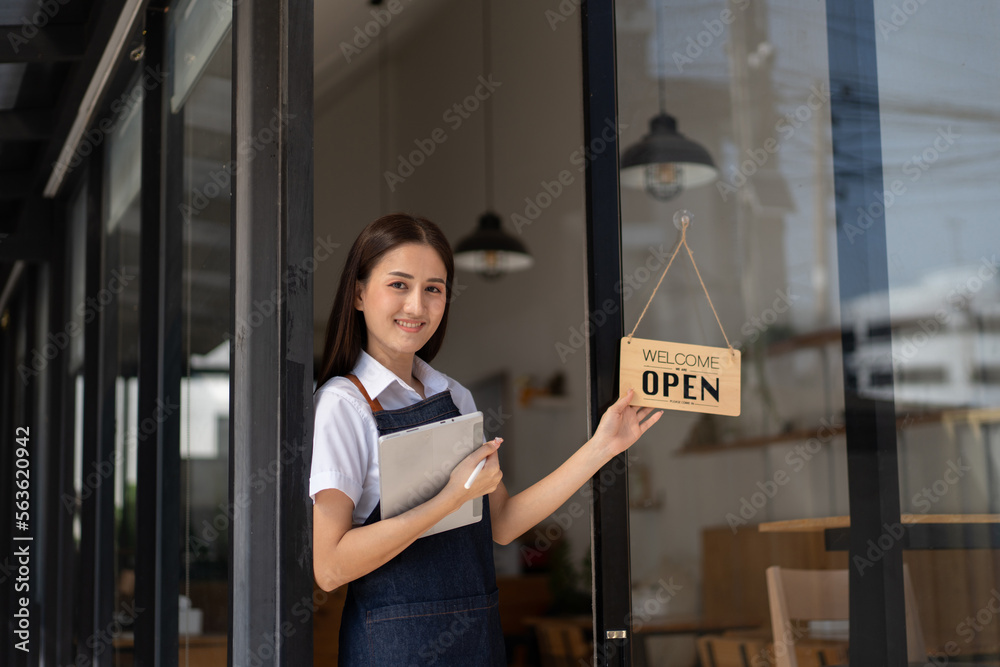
(376, 378)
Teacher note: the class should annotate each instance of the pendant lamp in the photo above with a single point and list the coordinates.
(490, 251)
(665, 162)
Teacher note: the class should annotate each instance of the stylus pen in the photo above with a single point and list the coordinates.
(479, 467)
(475, 473)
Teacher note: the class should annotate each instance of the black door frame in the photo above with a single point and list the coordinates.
(270, 552)
(876, 602)
(610, 528)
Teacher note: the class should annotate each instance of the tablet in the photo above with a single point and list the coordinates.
(415, 464)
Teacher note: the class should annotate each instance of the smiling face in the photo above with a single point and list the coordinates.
(403, 302)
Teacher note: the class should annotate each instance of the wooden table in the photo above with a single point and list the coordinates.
(822, 523)
(921, 531)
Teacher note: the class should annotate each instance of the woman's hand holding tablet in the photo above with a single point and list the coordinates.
(483, 483)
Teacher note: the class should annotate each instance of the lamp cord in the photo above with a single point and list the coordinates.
(383, 120)
(661, 85)
(487, 109)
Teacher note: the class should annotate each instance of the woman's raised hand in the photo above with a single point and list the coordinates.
(620, 427)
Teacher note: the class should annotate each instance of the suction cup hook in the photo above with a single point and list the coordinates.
(683, 219)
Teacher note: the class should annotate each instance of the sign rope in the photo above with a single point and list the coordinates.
(685, 221)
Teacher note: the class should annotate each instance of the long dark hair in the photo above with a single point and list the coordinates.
(346, 333)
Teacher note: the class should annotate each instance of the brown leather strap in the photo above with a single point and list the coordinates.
(375, 405)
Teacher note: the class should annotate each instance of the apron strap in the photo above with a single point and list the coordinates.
(375, 405)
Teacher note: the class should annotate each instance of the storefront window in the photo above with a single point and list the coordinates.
(939, 100)
(77, 311)
(121, 289)
(201, 121)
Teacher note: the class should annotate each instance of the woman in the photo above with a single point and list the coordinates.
(431, 600)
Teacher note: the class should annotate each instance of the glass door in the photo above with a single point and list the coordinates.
(836, 160)
(122, 287)
(712, 498)
(199, 192)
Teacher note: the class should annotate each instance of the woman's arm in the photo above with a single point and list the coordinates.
(342, 553)
(618, 430)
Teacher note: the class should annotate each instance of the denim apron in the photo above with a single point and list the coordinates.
(435, 603)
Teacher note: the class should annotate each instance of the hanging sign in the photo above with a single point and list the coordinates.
(680, 376)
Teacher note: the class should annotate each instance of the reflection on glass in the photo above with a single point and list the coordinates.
(749, 81)
(939, 101)
(77, 310)
(72, 502)
(201, 97)
(121, 279)
(198, 30)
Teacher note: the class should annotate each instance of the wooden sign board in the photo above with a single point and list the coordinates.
(677, 376)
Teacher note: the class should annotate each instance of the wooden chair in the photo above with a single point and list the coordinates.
(742, 648)
(732, 651)
(562, 643)
(801, 595)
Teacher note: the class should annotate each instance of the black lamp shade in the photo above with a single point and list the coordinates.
(669, 155)
(491, 251)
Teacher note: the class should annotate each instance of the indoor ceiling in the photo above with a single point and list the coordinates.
(343, 27)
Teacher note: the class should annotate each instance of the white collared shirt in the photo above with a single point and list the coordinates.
(345, 436)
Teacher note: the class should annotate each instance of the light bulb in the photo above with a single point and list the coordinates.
(664, 180)
(492, 261)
